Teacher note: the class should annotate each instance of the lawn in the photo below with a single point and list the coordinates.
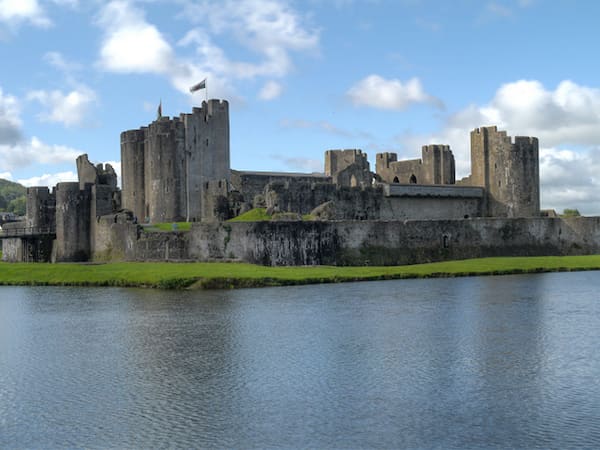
(233, 275)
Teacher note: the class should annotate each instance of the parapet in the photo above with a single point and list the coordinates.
(209, 109)
(67, 186)
(134, 135)
(525, 141)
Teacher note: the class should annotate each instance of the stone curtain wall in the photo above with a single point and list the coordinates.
(353, 242)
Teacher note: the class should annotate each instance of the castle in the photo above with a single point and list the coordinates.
(178, 169)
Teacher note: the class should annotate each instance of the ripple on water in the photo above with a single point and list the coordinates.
(473, 362)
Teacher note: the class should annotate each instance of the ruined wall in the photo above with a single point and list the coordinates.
(348, 167)
(381, 202)
(132, 171)
(72, 223)
(87, 173)
(115, 237)
(436, 166)
(508, 171)
(253, 184)
(216, 203)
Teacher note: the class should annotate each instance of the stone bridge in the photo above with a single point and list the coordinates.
(27, 232)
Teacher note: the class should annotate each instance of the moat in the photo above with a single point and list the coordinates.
(482, 362)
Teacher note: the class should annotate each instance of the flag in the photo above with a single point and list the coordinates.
(159, 112)
(198, 86)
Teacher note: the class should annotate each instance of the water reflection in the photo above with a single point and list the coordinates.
(473, 362)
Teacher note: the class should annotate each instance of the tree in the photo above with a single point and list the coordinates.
(18, 206)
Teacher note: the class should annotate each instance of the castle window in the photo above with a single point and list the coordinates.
(413, 179)
(207, 142)
(445, 241)
(396, 180)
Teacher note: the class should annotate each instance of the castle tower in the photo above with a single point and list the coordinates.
(41, 204)
(165, 165)
(438, 164)
(207, 152)
(383, 160)
(72, 222)
(164, 171)
(132, 171)
(508, 171)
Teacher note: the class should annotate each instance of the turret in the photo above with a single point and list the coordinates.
(508, 171)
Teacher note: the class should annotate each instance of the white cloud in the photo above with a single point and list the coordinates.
(67, 108)
(10, 124)
(57, 60)
(25, 153)
(267, 28)
(567, 115)
(131, 44)
(49, 179)
(566, 120)
(270, 91)
(16, 152)
(69, 3)
(324, 126)
(14, 12)
(570, 179)
(301, 164)
(377, 92)
(6, 176)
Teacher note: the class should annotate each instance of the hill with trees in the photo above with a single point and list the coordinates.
(12, 197)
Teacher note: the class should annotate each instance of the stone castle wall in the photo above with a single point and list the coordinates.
(355, 242)
(380, 202)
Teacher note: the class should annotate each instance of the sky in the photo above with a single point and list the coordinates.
(302, 77)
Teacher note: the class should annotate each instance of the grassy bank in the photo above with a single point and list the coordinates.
(235, 275)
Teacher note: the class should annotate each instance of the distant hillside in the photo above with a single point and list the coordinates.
(12, 197)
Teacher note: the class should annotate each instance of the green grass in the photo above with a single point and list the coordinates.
(254, 215)
(168, 226)
(260, 215)
(234, 275)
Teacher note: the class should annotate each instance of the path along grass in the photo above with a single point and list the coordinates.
(235, 275)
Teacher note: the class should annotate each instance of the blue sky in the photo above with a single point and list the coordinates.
(303, 77)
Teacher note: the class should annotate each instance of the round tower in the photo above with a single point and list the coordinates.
(164, 171)
(72, 222)
(132, 171)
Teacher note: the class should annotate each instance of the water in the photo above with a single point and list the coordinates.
(484, 362)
